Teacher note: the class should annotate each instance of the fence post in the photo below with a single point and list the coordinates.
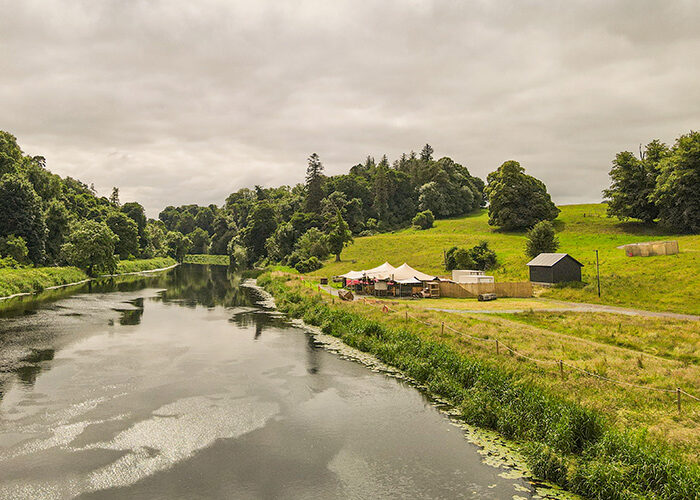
(406, 317)
(442, 328)
(561, 368)
(678, 398)
(496, 346)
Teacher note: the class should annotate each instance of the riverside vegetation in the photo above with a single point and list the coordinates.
(580, 433)
(36, 279)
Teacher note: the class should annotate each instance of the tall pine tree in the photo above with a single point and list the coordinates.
(314, 180)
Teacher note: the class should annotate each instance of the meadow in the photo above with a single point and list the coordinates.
(668, 283)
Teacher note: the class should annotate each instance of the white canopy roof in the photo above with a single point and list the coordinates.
(385, 271)
(352, 275)
(406, 272)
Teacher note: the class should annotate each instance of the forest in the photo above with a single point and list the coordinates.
(51, 221)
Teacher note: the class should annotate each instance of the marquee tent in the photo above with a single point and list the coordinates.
(406, 272)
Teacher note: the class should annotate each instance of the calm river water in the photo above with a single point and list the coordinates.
(181, 385)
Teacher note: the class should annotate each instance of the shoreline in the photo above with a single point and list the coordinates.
(495, 449)
(87, 280)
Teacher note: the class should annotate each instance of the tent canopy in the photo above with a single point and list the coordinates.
(384, 271)
(405, 272)
(352, 275)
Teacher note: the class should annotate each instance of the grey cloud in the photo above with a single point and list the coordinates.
(178, 102)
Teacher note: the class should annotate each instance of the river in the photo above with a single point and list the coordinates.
(183, 385)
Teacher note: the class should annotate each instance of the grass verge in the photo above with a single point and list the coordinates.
(36, 279)
(212, 260)
(566, 441)
(133, 266)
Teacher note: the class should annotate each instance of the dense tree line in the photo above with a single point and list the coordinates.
(661, 184)
(49, 220)
(302, 225)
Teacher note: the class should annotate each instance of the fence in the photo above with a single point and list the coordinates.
(559, 364)
(471, 290)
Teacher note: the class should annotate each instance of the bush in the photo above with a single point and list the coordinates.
(423, 220)
(14, 247)
(308, 265)
(9, 263)
(479, 257)
(541, 239)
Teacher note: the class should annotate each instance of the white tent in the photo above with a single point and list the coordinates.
(385, 271)
(352, 275)
(406, 272)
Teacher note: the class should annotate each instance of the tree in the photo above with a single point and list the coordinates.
(314, 181)
(423, 220)
(57, 226)
(114, 197)
(426, 154)
(136, 212)
(458, 258)
(517, 200)
(381, 195)
(339, 237)
(238, 257)
(14, 247)
(155, 235)
(127, 233)
(90, 247)
(200, 241)
(313, 243)
(261, 225)
(541, 239)
(633, 182)
(677, 192)
(177, 245)
(22, 215)
(483, 257)
(186, 223)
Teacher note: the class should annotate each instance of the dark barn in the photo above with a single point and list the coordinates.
(554, 268)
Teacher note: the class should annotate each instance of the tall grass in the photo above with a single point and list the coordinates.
(36, 279)
(566, 443)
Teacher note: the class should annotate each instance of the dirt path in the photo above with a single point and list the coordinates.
(558, 306)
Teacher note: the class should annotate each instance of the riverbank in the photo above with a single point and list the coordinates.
(569, 433)
(15, 282)
(207, 259)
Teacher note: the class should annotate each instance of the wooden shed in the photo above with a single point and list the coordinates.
(554, 268)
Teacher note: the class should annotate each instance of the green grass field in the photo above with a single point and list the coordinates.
(669, 283)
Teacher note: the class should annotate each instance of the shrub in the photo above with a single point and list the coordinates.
(423, 220)
(541, 239)
(478, 257)
(308, 265)
(14, 247)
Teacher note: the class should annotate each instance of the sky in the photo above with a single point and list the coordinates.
(183, 102)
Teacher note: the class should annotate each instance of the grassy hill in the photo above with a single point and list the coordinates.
(668, 283)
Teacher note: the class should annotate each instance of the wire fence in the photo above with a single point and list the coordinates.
(500, 345)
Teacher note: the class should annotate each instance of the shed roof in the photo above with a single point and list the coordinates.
(549, 259)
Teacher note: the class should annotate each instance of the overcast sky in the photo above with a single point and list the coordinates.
(186, 101)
